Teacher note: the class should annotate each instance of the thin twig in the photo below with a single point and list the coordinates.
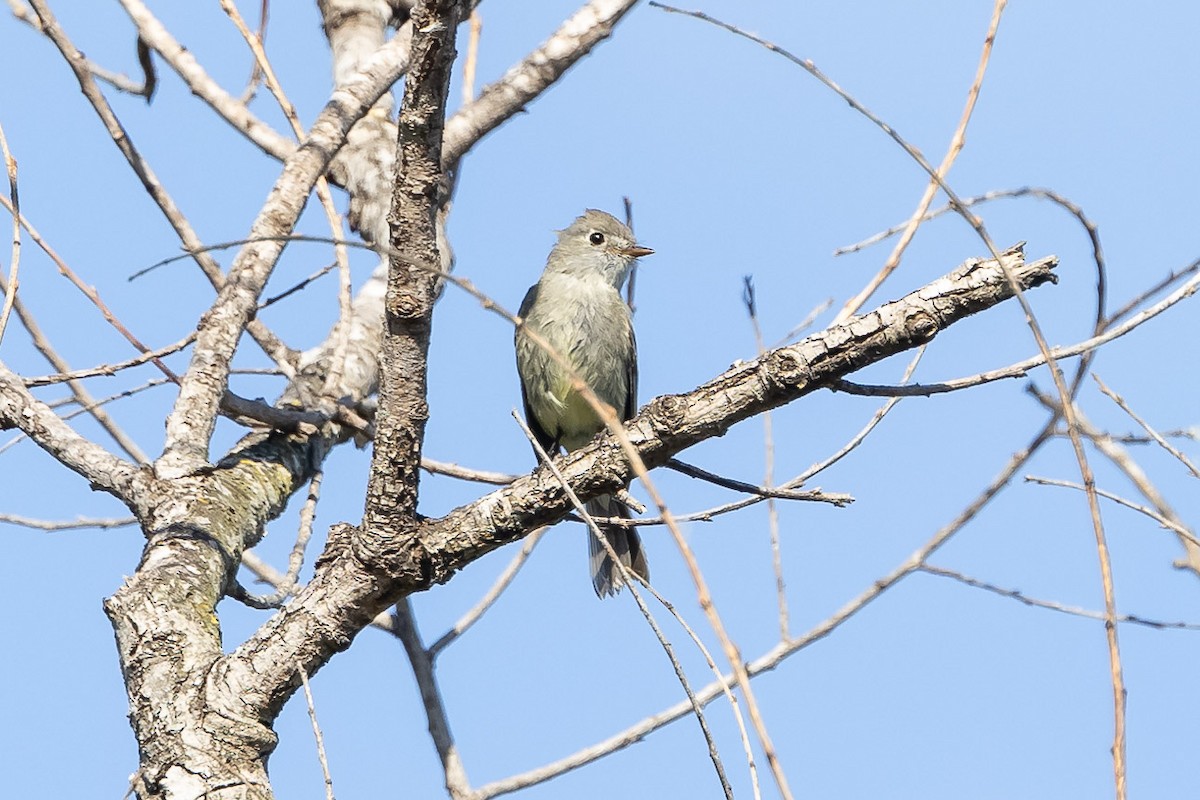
(765, 492)
(287, 587)
(750, 300)
(468, 72)
(312, 715)
(783, 650)
(422, 662)
(91, 407)
(1172, 277)
(630, 579)
(1050, 605)
(938, 179)
(1136, 475)
(1179, 529)
(1151, 432)
(256, 73)
(1192, 434)
(806, 323)
(491, 596)
(268, 574)
(704, 597)
(105, 370)
(466, 473)
(969, 202)
(738, 718)
(288, 292)
(68, 525)
(10, 293)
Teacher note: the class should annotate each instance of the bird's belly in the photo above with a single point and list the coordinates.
(566, 415)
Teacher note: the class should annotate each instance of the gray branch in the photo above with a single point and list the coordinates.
(591, 24)
(191, 422)
(104, 471)
(360, 574)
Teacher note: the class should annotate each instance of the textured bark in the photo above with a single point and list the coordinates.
(194, 737)
(419, 195)
(672, 423)
(104, 471)
(362, 573)
(191, 422)
(203, 720)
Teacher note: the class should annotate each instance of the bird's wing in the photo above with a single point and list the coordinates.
(547, 441)
(631, 404)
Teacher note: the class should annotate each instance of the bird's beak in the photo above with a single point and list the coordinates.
(635, 251)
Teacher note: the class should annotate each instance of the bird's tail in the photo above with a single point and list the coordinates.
(606, 576)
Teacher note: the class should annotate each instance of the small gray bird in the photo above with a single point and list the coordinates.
(576, 307)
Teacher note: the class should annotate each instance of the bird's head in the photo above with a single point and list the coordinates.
(597, 244)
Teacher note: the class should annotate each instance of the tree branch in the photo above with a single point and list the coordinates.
(419, 194)
(360, 574)
(103, 470)
(191, 422)
(591, 24)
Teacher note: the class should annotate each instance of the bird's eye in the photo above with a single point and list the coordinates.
(597, 238)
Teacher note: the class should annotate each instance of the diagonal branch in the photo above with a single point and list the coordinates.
(121, 138)
(360, 574)
(591, 24)
(20, 409)
(191, 422)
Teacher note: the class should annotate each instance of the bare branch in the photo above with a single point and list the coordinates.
(312, 715)
(780, 652)
(1013, 594)
(1171, 525)
(68, 375)
(489, 599)
(631, 580)
(587, 27)
(422, 662)
(359, 575)
(419, 194)
(67, 525)
(191, 422)
(1021, 368)
(466, 474)
(20, 409)
(184, 63)
(765, 492)
(1153, 434)
(1127, 465)
(938, 179)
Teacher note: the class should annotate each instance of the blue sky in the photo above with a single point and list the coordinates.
(738, 163)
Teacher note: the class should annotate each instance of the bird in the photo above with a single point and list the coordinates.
(576, 308)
